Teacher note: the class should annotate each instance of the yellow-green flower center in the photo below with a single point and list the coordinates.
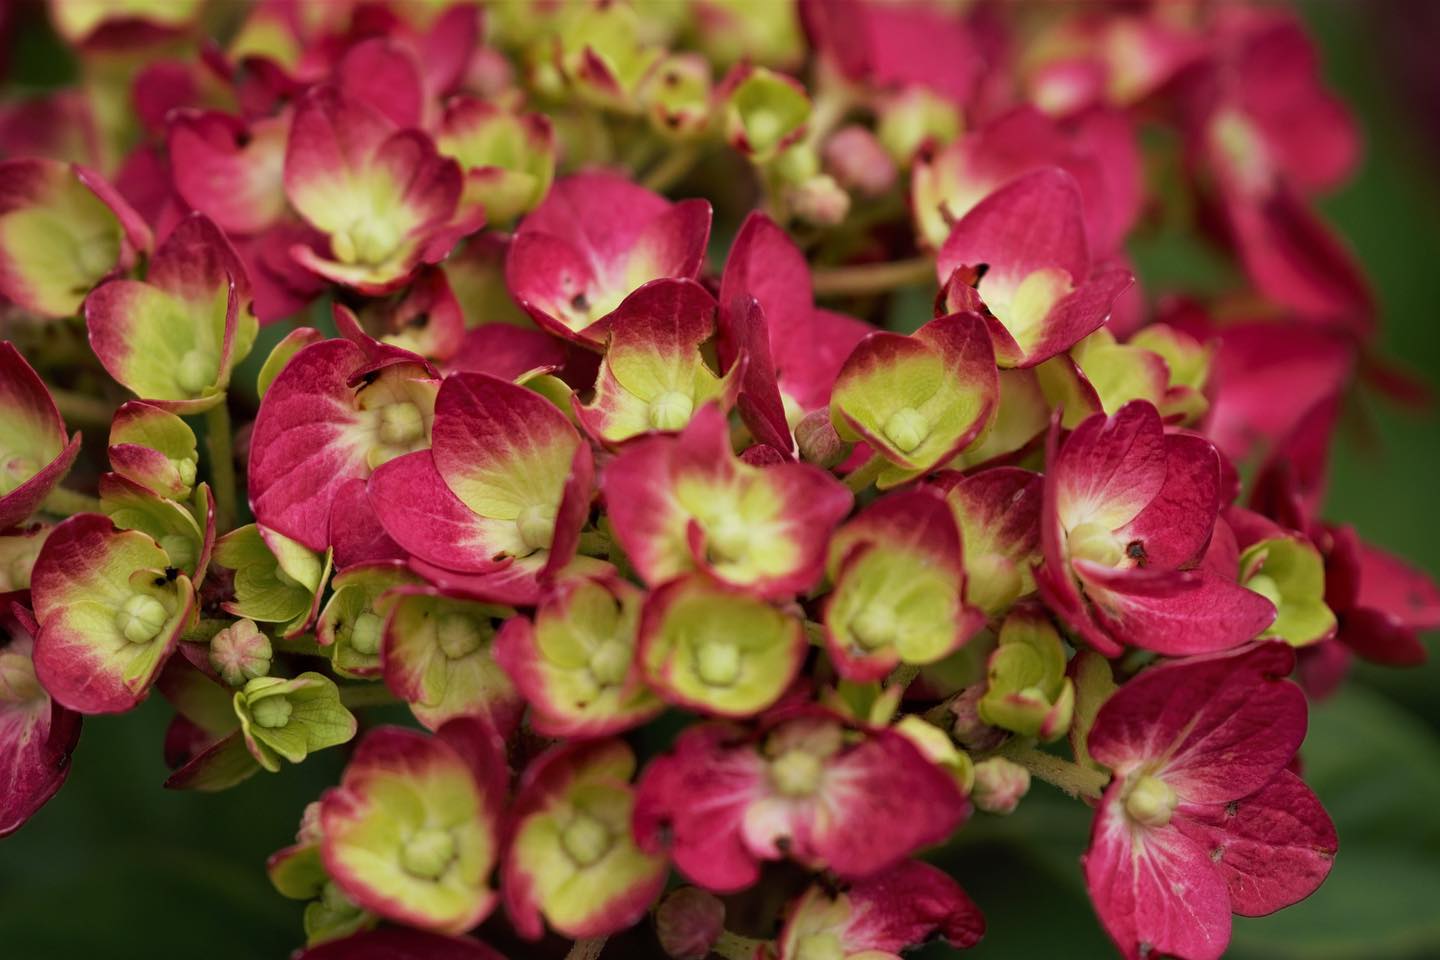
(427, 853)
(718, 663)
(141, 618)
(400, 424)
(796, 773)
(610, 663)
(906, 428)
(195, 372)
(671, 410)
(272, 713)
(1151, 801)
(585, 839)
(458, 635)
(365, 634)
(1094, 542)
(727, 538)
(537, 527)
(370, 239)
(820, 946)
(186, 469)
(876, 626)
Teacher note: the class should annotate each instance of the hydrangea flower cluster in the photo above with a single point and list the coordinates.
(554, 371)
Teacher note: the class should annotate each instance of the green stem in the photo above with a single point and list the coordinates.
(903, 675)
(665, 174)
(361, 695)
(587, 949)
(865, 475)
(62, 502)
(222, 463)
(205, 630)
(77, 408)
(732, 946)
(865, 278)
(1074, 779)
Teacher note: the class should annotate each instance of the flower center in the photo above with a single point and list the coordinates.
(610, 663)
(820, 946)
(585, 839)
(186, 469)
(459, 635)
(537, 527)
(796, 773)
(368, 240)
(401, 424)
(718, 663)
(272, 713)
(907, 428)
(1151, 801)
(671, 410)
(876, 626)
(195, 372)
(427, 853)
(140, 619)
(727, 539)
(365, 634)
(1092, 541)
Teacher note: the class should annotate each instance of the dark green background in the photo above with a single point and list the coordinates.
(117, 868)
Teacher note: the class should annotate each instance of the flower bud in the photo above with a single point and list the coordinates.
(857, 160)
(1000, 784)
(765, 111)
(240, 652)
(677, 96)
(914, 118)
(688, 923)
(818, 442)
(972, 732)
(820, 201)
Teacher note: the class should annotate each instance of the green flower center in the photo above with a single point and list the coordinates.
(796, 773)
(195, 373)
(585, 839)
(671, 410)
(820, 946)
(370, 240)
(400, 424)
(186, 469)
(906, 428)
(718, 663)
(272, 712)
(1151, 801)
(610, 663)
(727, 539)
(427, 853)
(141, 618)
(1094, 542)
(458, 635)
(876, 626)
(365, 634)
(537, 527)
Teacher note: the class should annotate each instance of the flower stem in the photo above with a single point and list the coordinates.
(361, 695)
(866, 278)
(732, 946)
(66, 503)
(865, 474)
(903, 675)
(1074, 779)
(222, 463)
(587, 949)
(665, 174)
(78, 408)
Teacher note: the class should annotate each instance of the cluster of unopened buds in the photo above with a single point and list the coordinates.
(691, 558)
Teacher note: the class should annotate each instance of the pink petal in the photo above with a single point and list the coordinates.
(1177, 613)
(1110, 468)
(422, 515)
(1175, 526)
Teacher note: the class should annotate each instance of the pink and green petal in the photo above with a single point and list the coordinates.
(717, 650)
(576, 663)
(918, 400)
(276, 579)
(34, 454)
(570, 858)
(412, 832)
(62, 230)
(109, 613)
(37, 735)
(289, 719)
(653, 376)
(168, 522)
(594, 239)
(999, 515)
(154, 448)
(508, 157)
(438, 656)
(351, 624)
(229, 170)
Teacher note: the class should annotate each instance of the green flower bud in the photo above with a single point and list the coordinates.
(400, 424)
(1094, 542)
(586, 839)
(240, 653)
(537, 526)
(818, 442)
(610, 663)
(914, 118)
(671, 410)
(428, 853)
(907, 428)
(141, 618)
(1151, 801)
(290, 718)
(458, 635)
(1000, 785)
(796, 773)
(272, 712)
(186, 470)
(718, 663)
(366, 633)
(196, 372)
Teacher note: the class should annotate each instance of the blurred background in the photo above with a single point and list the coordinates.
(114, 867)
